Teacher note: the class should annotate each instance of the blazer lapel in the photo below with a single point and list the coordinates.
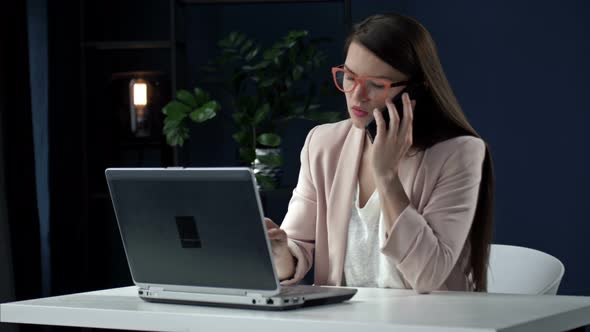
(340, 200)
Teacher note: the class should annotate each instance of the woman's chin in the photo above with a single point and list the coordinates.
(359, 123)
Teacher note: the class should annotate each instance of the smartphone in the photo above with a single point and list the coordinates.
(415, 90)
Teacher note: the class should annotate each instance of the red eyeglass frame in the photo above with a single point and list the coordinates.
(360, 80)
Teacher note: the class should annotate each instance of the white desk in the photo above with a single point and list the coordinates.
(370, 310)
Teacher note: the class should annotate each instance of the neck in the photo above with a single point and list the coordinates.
(367, 146)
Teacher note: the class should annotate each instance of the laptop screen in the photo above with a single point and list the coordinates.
(192, 227)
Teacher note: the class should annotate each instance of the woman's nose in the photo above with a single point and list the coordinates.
(360, 93)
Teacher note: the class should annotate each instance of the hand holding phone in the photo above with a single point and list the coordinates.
(415, 92)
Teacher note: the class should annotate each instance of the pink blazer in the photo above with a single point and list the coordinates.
(427, 242)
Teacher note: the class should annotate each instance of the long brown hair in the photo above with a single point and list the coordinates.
(407, 46)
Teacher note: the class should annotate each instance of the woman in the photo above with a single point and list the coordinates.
(413, 208)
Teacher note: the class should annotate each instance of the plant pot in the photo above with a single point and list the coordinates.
(272, 172)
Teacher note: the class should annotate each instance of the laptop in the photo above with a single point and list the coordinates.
(197, 236)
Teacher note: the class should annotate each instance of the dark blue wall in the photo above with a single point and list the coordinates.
(520, 72)
(518, 69)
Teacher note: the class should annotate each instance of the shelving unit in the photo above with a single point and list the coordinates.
(117, 43)
(112, 51)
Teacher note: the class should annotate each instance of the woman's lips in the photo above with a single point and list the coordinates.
(359, 112)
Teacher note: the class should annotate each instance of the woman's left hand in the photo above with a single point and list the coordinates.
(391, 144)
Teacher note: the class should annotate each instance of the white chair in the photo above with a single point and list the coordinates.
(520, 270)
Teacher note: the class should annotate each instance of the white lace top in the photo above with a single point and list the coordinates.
(364, 264)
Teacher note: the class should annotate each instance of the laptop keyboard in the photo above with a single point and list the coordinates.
(301, 290)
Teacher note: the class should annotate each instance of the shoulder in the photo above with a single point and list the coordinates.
(458, 152)
(460, 145)
(326, 136)
(331, 131)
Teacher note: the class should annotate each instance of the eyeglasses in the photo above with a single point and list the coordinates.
(374, 88)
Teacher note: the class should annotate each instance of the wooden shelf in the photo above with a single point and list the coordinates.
(140, 145)
(130, 44)
(214, 2)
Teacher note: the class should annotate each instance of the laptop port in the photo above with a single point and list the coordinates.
(253, 301)
(269, 301)
(286, 300)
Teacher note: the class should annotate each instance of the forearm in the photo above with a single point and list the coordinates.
(393, 198)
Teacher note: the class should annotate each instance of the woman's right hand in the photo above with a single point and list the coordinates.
(284, 261)
(277, 237)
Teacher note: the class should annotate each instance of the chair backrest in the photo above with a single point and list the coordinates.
(520, 270)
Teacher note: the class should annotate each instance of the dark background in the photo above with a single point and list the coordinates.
(519, 69)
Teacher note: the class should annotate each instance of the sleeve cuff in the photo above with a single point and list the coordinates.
(403, 235)
(301, 267)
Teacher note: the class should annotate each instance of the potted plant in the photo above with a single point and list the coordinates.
(267, 88)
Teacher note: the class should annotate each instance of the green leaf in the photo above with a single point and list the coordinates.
(297, 71)
(270, 54)
(175, 110)
(201, 96)
(202, 115)
(239, 39)
(249, 68)
(269, 139)
(246, 46)
(241, 118)
(296, 34)
(187, 98)
(242, 137)
(232, 37)
(225, 42)
(252, 54)
(261, 114)
(273, 160)
(205, 112)
(263, 64)
(177, 137)
(265, 182)
(247, 154)
(230, 52)
(213, 104)
(313, 107)
(170, 124)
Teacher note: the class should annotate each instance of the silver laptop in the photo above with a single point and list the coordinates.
(197, 236)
